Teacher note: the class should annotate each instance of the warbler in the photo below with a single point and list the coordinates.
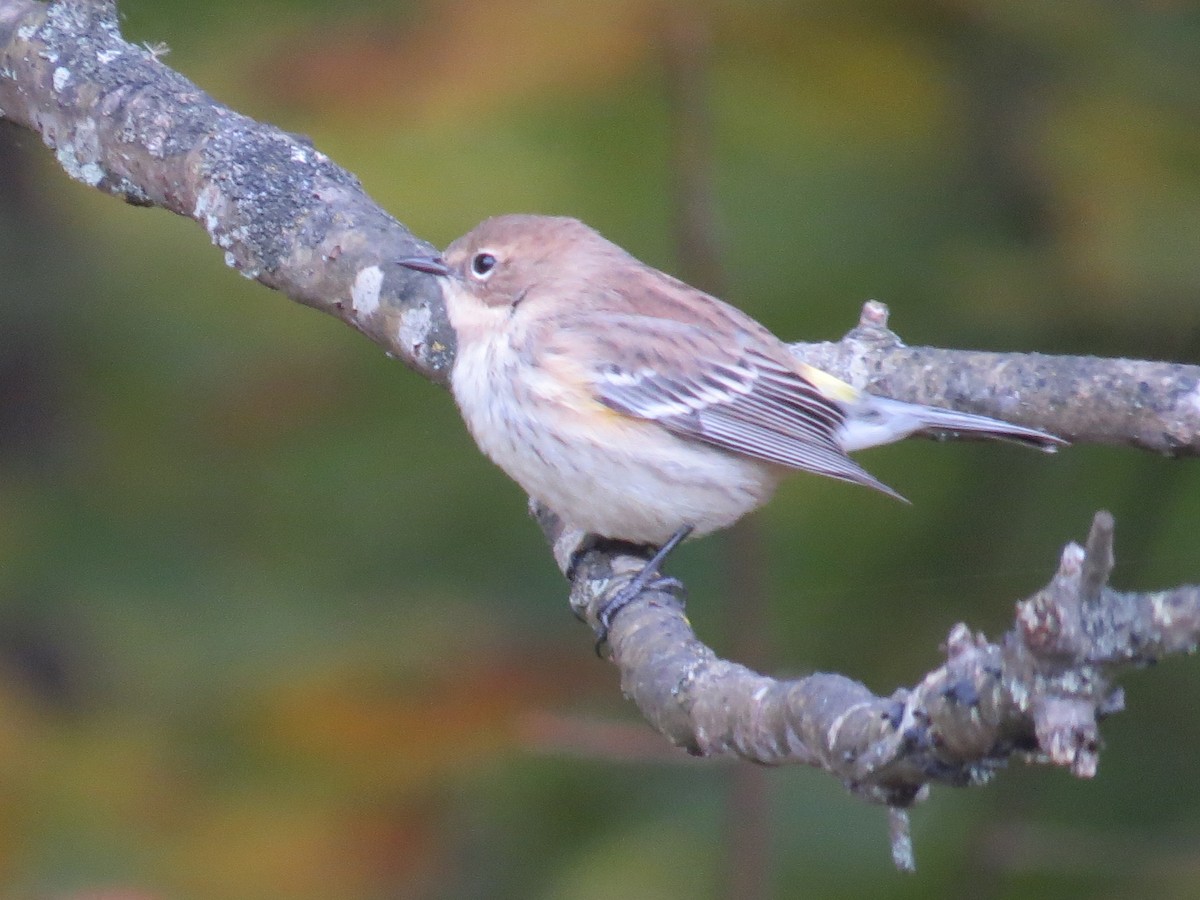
(639, 408)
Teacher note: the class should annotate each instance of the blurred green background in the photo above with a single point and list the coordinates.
(270, 626)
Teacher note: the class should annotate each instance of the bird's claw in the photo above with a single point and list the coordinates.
(625, 596)
(647, 577)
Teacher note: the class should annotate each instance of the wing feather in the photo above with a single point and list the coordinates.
(720, 391)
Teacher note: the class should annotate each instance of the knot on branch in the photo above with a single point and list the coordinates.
(1071, 635)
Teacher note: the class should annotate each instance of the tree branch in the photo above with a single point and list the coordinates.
(1037, 694)
(286, 216)
(1149, 405)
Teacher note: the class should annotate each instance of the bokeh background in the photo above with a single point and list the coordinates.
(271, 627)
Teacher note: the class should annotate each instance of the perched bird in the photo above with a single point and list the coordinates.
(639, 408)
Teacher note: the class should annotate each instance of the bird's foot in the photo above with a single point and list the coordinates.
(647, 578)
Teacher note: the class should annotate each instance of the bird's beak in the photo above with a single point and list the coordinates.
(430, 265)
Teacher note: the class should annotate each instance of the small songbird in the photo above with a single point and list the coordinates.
(639, 408)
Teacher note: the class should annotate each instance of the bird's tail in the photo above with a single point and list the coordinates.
(877, 420)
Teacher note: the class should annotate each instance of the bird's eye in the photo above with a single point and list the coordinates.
(482, 265)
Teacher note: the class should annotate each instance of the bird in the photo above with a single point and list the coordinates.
(638, 408)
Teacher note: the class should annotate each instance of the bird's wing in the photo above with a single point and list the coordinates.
(720, 389)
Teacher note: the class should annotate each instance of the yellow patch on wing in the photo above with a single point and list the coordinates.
(562, 380)
(831, 387)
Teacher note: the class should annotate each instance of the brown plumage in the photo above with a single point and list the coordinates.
(634, 405)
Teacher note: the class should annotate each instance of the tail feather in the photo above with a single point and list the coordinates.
(950, 423)
(881, 420)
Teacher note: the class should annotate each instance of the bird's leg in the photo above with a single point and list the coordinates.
(647, 577)
(589, 543)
